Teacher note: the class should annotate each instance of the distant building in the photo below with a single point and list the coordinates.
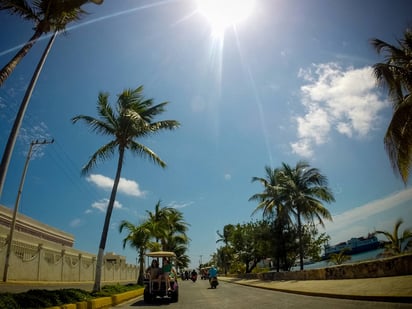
(28, 229)
(35, 232)
(111, 257)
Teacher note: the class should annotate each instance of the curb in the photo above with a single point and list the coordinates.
(103, 302)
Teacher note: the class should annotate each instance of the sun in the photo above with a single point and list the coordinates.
(225, 13)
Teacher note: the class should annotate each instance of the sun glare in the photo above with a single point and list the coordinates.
(225, 13)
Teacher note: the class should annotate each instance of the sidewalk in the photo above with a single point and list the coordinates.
(390, 289)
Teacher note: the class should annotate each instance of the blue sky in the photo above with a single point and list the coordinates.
(291, 82)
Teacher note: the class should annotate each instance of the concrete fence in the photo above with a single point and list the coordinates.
(39, 262)
(385, 267)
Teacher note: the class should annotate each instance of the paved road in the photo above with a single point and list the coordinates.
(228, 295)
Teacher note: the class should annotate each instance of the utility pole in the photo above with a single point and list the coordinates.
(16, 204)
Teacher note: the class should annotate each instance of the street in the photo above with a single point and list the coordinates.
(198, 295)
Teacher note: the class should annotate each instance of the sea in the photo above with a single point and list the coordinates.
(364, 256)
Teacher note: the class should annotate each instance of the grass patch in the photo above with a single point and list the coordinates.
(40, 298)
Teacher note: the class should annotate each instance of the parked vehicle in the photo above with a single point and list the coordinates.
(157, 286)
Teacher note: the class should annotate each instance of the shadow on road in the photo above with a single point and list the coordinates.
(156, 303)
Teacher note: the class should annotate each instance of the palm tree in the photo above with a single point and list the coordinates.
(49, 16)
(396, 244)
(156, 221)
(132, 119)
(396, 75)
(169, 229)
(303, 189)
(138, 237)
(340, 258)
(272, 203)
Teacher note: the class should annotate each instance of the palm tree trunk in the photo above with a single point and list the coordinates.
(20, 114)
(9, 67)
(109, 211)
(300, 240)
(141, 262)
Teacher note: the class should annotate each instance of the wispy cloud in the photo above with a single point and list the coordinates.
(37, 132)
(227, 176)
(103, 203)
(179, 205)
(336, 100)
(128, 187)
(75, 222)
(359, 220)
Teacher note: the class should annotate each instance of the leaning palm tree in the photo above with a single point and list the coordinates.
(396, 75)
(138, 237)
(49, 16)
(303, 189)
(131, 120)
(395, 243)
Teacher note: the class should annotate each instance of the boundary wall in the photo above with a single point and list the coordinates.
(385, 267)
(31, 261)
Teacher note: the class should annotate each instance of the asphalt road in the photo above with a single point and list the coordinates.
(198, 295)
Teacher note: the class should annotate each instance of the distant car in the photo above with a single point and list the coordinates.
(156, 287)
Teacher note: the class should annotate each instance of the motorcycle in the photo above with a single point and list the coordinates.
(213, 282)
(194, 277)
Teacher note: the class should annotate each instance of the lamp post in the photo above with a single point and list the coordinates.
(16, 205)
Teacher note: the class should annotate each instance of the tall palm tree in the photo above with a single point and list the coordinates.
(272, 203)
(138, 237)
(49, 16)
(132, 119)
(396, 244)
(396, 75)
(303, 189)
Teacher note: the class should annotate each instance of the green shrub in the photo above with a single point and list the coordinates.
(48, 298)
(38, 299)
(71, 296)
(7, 301)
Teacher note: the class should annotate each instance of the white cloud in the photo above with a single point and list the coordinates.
(227, 176)
(128, 187)
(177, 205)
(343, 100)
(75, 222)
(103, 203)
(361, 220)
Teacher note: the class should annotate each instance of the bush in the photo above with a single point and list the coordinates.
(48, 298)
(7, 301)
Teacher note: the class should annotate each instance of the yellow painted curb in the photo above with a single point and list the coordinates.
(119, 298)
(103, 302)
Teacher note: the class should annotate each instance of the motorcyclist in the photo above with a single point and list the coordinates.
(194, 275)
(213, 277)
(212, 272)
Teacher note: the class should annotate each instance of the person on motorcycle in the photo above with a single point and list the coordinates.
(194, 275)
(213, 277)
(212, 272)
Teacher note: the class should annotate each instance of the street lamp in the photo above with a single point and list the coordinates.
(16, 204)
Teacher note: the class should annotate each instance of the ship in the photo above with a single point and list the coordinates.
(353, 246)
